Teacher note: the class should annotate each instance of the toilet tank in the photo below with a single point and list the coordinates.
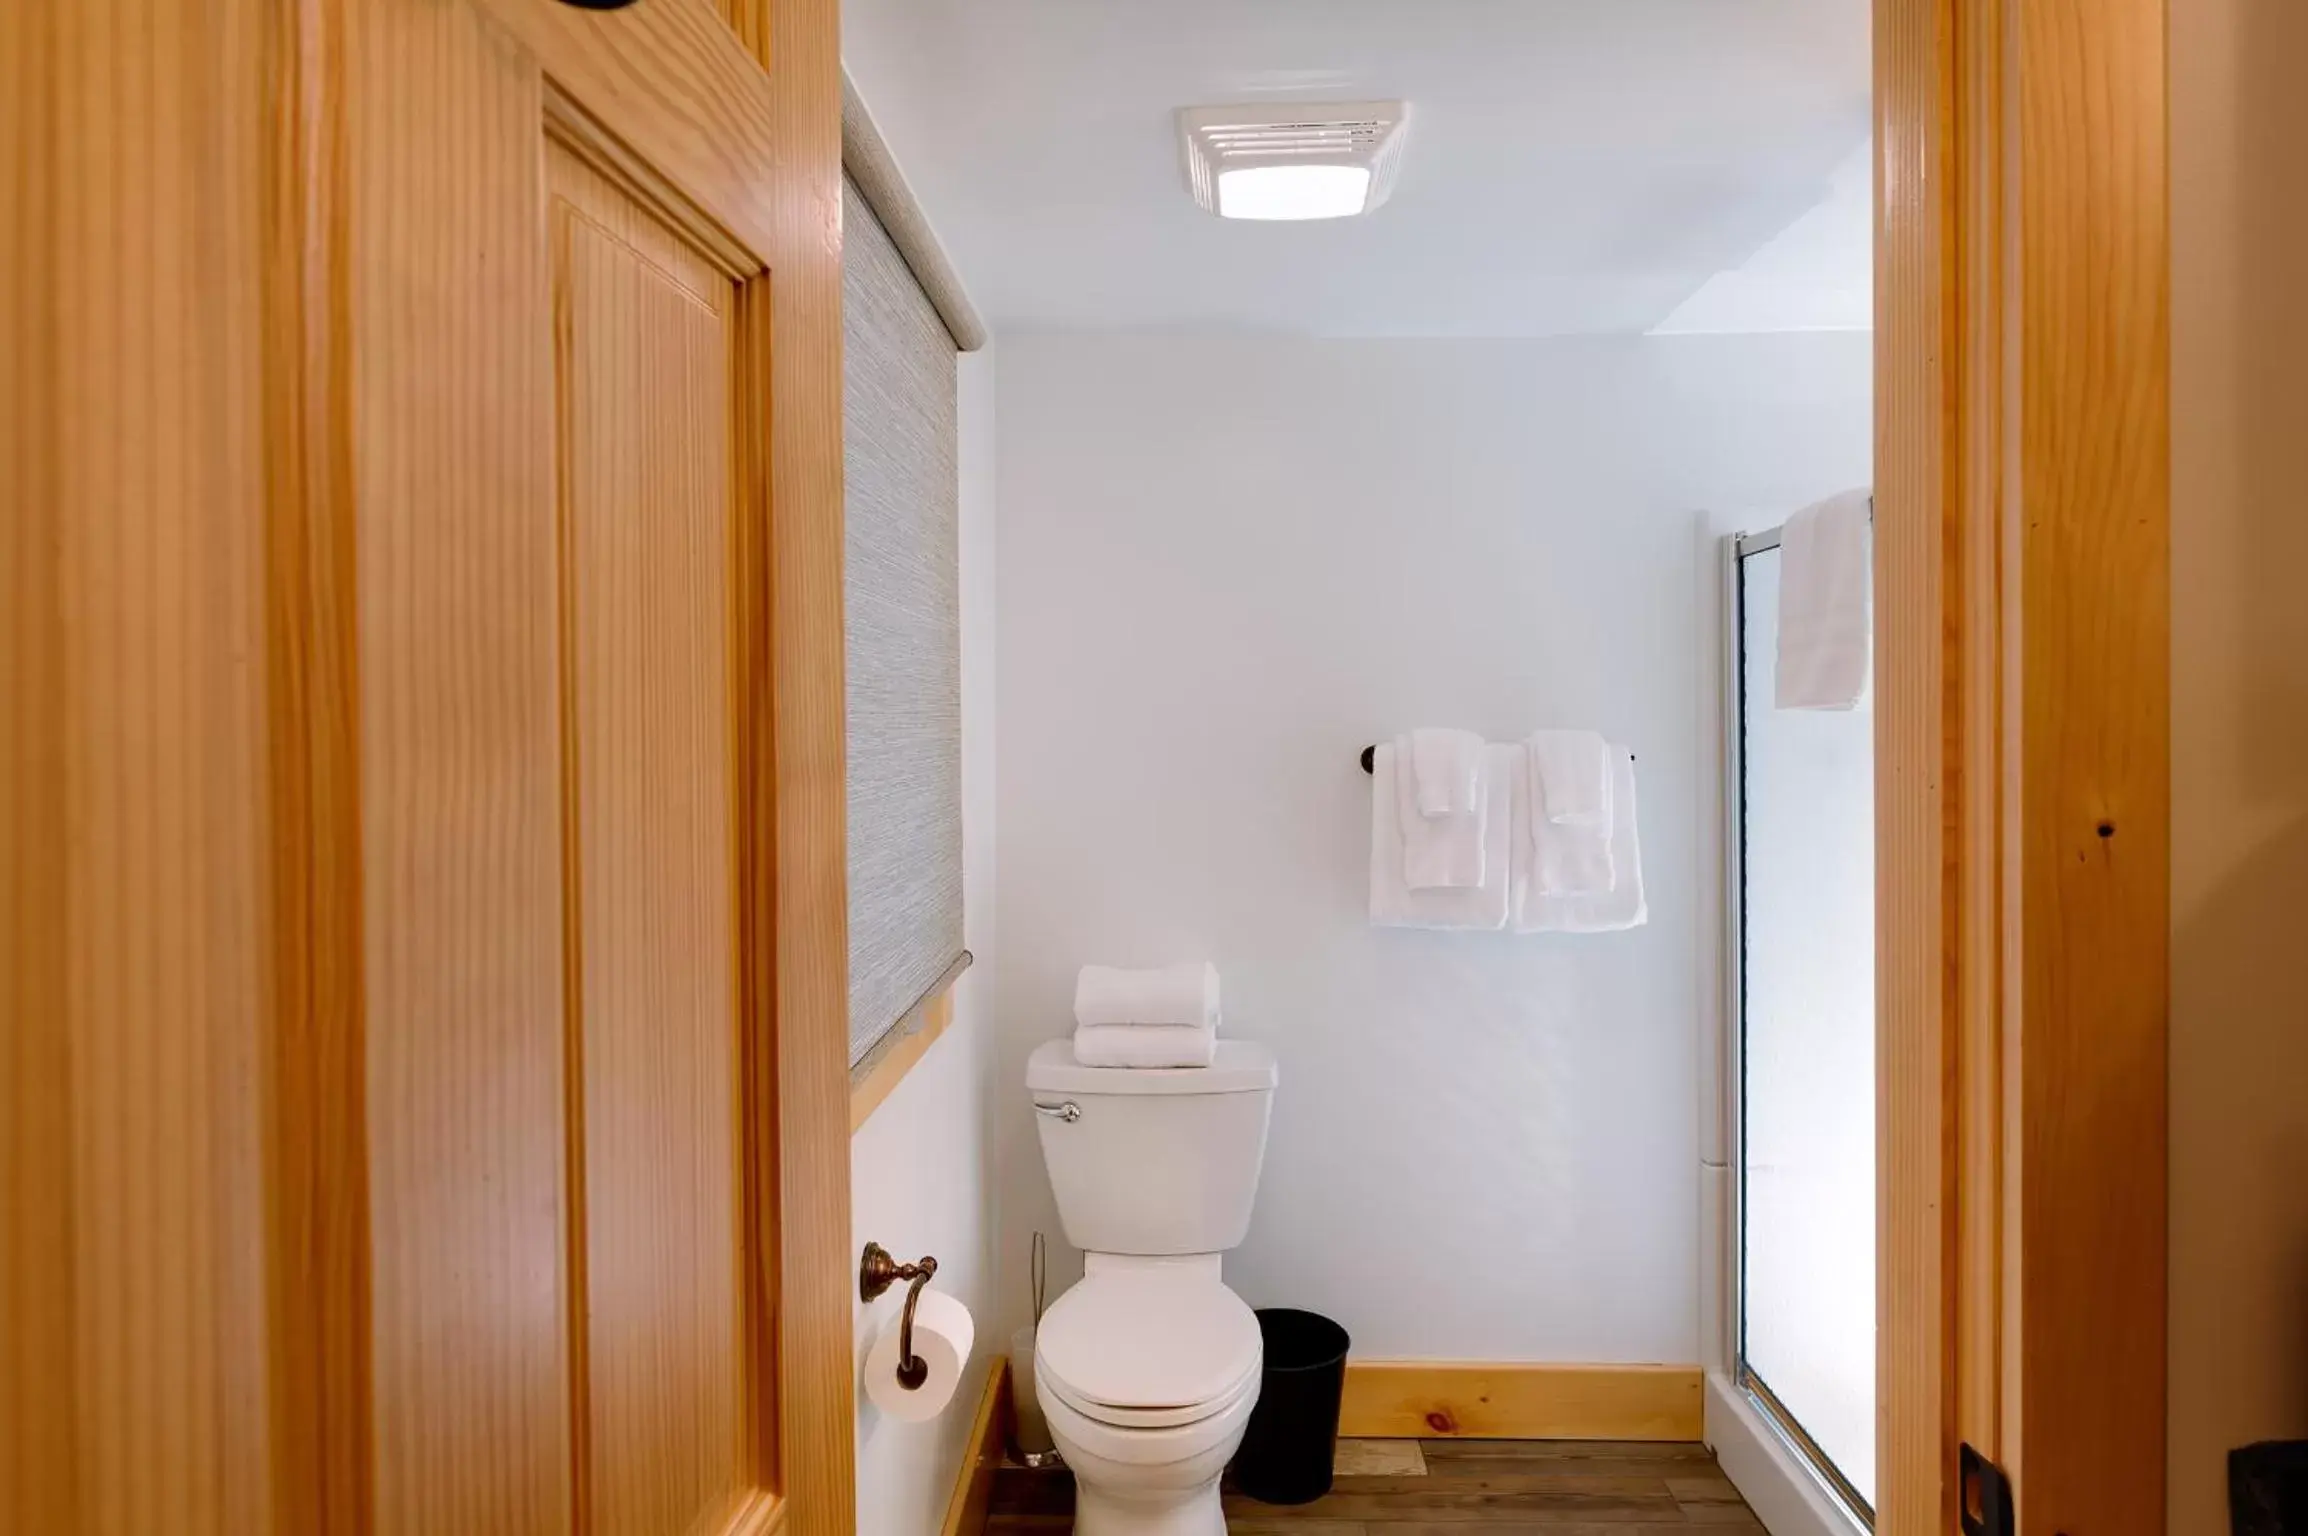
(1156, 1161)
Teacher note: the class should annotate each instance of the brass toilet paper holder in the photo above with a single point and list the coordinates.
(876, 1273)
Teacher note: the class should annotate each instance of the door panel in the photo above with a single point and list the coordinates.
(459, 773)
(134, 1364)
(645, 347)
(560, 1104)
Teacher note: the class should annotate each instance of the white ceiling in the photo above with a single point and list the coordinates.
(1574, 166)
(1817, 274)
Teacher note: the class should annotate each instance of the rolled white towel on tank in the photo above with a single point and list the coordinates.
(1175, 994)
(1145, 1045)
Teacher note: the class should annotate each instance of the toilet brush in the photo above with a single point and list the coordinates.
(1034, 1445)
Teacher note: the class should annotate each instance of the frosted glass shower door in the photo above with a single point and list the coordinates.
(1806, 1054)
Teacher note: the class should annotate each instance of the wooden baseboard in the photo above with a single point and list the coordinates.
(1412, 1399)
(989, 1432)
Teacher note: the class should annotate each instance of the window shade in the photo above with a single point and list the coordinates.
(903, 633)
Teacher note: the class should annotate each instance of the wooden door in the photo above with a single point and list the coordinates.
(422, 808)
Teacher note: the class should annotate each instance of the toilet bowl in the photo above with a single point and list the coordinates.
(1148, 1368)
(1147, 1372)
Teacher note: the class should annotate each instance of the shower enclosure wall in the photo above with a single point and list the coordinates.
(1799, 1055)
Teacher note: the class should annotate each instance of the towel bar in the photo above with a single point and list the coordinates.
(1370, 759)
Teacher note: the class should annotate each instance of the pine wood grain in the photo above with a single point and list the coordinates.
(318, 1101)
(1520, 1486)
(133, 1353)
(2022, 713)
(2093, 758)
(801, 698)
(38, 1446)
(681, 93)
(280, 831)
(1979, 784)
(1414, 1398)
(1918, 518)
(451, 440)
(645, 344)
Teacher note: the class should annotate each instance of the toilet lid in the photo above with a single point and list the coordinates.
(1148, 1339)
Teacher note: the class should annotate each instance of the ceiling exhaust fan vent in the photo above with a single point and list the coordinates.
(1293, 160)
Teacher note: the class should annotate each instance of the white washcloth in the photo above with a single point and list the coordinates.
(1567, 856)
(1393, 901)
(1446, 764)
(1825, 631)
(1438, 852)
(1145, 1045)
(1620, 906)
(1573, 770)
(1175, 994)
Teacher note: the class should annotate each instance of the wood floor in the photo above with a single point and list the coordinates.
(1458, 1488)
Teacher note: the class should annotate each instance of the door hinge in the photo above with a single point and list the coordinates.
(1984, 1494)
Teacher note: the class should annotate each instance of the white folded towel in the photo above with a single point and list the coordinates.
(1445, 764)
(1569, 854)
(1442, 852)
(1145, 1045)
(1619, 906)
(1825, 632)
(1175, 994)
(1573, 769)
(1569, 861)
(1394, 903)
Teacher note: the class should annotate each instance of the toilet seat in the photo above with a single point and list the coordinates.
(1149, 1350)
(1176, 1416)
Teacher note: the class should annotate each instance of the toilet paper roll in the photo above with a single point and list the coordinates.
(943, 1333)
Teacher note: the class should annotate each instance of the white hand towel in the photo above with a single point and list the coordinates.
(1438, 852)
(1825, 632)
(1393, 902)
(1446, 764)
(1145, 1045)
(1573, 769)
(1567, 856)
(1621, 905)
(1176, 994)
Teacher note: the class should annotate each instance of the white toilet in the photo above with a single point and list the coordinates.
(1149, 1367)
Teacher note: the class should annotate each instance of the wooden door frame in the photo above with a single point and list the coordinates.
(2023, 508)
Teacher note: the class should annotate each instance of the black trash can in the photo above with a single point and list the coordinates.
(1287, 1450)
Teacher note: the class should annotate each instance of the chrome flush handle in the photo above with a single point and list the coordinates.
(1068, 1111)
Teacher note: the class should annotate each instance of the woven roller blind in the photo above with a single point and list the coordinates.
(904, 633)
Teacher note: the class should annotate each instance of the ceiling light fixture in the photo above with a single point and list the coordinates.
(1293, 160)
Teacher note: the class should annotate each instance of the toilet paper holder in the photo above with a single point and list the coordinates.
(877, 1272)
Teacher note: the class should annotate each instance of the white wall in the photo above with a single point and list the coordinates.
(2239, 1042)
(1226, 565)
(919, 1180)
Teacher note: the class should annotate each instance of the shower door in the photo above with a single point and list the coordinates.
(1802, 898)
